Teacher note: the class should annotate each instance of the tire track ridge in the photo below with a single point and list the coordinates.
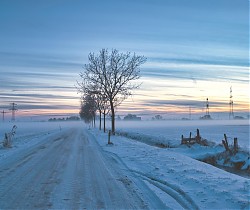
(175, 192)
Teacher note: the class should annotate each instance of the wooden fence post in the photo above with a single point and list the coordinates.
(198, 137)
(225, 143)
(109, 134)
(235, 145)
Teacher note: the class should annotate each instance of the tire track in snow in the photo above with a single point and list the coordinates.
(27, 180)
(137, 178)
(182, 198)
(135, 186)
(68, 170)
(102, 186)
(175, 192)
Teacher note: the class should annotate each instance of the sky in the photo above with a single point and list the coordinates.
(195, 50)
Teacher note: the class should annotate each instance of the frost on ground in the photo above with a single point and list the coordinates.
(66, 166)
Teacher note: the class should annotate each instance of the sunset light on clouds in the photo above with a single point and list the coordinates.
(195, 50)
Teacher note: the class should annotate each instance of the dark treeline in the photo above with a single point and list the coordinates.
(73, 118)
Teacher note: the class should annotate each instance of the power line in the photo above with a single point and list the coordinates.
(3, 112)
(231, 108)
(207, 107)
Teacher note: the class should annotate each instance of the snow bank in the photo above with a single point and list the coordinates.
(173, 176)
(159, 141)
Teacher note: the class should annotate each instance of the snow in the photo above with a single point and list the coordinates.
(64, 165)
(191, 183)
(27, 134)
(169, 132)
(67, 169)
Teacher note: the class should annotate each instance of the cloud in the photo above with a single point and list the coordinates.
(46, 107)
(34, 100)
(24, 105)
(195, 71)
(181, 103)
(37, 96)
(35, 60)
(196, 59)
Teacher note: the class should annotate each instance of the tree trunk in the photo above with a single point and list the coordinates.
(112, 117)
(100, 123)
(104, 121)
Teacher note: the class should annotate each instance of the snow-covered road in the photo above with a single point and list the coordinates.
(69, 170)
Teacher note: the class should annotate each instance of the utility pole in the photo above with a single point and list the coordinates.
(3, 112)
(13, 109)
(231, 108)
(207, 107)
(190, 112)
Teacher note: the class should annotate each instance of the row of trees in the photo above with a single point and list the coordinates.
(106, 81)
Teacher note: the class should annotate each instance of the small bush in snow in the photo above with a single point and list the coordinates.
(7, 142)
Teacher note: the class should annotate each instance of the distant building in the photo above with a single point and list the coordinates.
(132, 117)
(239, 118)
(73, 118)
(206, 117)
(157, 117)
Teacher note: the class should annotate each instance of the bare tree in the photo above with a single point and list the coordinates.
(113, 74)
(103, 108)
(99, 108)
(101, 101)
(88, 109)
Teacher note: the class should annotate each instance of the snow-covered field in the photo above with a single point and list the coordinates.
(55, 157)
(168, 134)
(171, 131)
(27, 134)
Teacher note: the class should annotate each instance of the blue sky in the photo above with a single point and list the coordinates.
(195, 49)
